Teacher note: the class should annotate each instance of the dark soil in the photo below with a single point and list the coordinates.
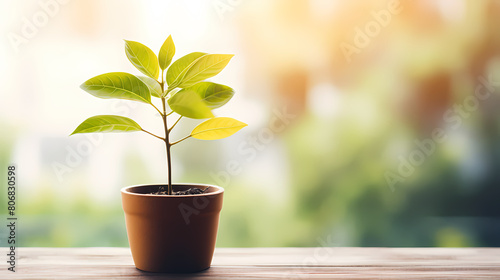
(190, 191)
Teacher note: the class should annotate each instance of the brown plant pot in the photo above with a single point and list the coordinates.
(172, 233)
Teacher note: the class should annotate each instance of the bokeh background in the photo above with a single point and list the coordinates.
(339, 97)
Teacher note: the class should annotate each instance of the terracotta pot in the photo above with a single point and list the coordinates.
(172, 233)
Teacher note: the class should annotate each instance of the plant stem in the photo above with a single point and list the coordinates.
(167, 141)
(170, 129)
(159, 112)
(154, 135)
(167, 146)
(180, 140)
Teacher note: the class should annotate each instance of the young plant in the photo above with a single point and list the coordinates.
(181, 87)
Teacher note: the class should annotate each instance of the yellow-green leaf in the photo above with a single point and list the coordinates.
(143, 58)
(189, 104)
(107, 123)
(152, 84)
(167, 52)
(214, 95)
(180, 66)
(118, 85)
(217, 128)
(203, 68)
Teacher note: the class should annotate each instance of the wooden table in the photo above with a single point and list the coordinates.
(267, 263)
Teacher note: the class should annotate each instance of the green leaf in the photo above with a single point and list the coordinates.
(107, 123)
(143, 58)
(189, 104)
(180, 66)
(153, 85)
(217, 128)
(214, 95)
(167, 52)
(203, 68)
(118, 85)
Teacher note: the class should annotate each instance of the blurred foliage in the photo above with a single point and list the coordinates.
(330, 188)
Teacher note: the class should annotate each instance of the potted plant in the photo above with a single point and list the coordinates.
(171, 227)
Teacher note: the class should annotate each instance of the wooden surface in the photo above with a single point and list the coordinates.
(267, 263)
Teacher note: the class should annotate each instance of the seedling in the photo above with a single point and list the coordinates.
(182, 89)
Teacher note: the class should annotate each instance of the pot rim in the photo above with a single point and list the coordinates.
(125, 190)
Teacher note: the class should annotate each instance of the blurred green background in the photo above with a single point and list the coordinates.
(339, 97)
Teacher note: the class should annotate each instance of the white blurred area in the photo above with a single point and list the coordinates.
(81, 39)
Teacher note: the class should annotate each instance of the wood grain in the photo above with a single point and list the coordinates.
(267, 263)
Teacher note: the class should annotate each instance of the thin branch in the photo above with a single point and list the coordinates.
(180, 140)
(159, 112)
(170, 129)
(161, 138)
(171, 112)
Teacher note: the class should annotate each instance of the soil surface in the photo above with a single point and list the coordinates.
(190, 191)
